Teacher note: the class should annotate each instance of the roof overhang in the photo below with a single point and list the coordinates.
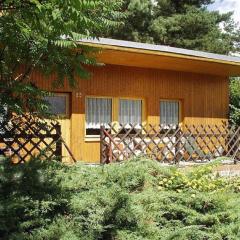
(127, 53)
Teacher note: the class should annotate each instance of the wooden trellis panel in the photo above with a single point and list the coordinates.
(169, 143)
(26, 136)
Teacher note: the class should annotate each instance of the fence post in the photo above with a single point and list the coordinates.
(58, 152)
(178, 145)
(102, 152)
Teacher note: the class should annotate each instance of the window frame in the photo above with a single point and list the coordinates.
(180, 106)
(94, 137)
(115, 113)
(67, 112)
(131, 99)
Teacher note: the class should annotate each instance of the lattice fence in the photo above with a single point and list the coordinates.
(26, 136)
(169, 143)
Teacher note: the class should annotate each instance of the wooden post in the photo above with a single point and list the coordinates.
(178, 145)
(58, 152)
(102, 152)
(109, 153)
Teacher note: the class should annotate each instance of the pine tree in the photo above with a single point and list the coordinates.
(178, 23)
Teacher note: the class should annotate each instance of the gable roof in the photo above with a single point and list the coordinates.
(114, 47)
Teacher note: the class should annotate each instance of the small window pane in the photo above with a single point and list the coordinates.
(130, 111)
(98, 113)
(169, 112)
(3, 117)
(58, 104)
(3, 112)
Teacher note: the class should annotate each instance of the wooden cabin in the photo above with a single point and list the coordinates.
(141, 83)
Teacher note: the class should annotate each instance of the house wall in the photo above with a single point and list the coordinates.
(204, 98)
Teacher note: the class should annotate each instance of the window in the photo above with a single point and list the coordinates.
(58, 104)
(169, 112)
(130, 112)
(98, 113)
(3, 112)
(3, 117)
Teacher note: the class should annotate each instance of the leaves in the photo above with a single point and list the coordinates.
(184, 24)
(44, 36)
(47, 200)
(235, 101)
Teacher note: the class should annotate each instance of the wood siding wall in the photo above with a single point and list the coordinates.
(204, 98)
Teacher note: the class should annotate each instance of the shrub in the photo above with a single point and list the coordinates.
(138, 199)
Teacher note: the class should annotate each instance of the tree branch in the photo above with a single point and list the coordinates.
(2, 52)
(30, 69)
(16, 78)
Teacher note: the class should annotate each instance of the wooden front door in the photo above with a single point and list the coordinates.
(60, 107)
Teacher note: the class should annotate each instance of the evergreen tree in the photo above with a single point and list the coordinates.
(235, 101)
(178, 23)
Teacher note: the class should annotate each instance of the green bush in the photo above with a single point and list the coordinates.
(138, 199)
(234, 107)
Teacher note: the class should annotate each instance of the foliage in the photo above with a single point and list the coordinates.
(43, 35)
(135, 200)
(186, 24)
(235, 101)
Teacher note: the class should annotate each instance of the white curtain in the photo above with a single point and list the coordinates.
(98, 112)
(169, 112)
(130, 111)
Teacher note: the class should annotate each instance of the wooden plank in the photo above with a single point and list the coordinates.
(204, 98)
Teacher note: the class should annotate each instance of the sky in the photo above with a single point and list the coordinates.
(226, 6)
